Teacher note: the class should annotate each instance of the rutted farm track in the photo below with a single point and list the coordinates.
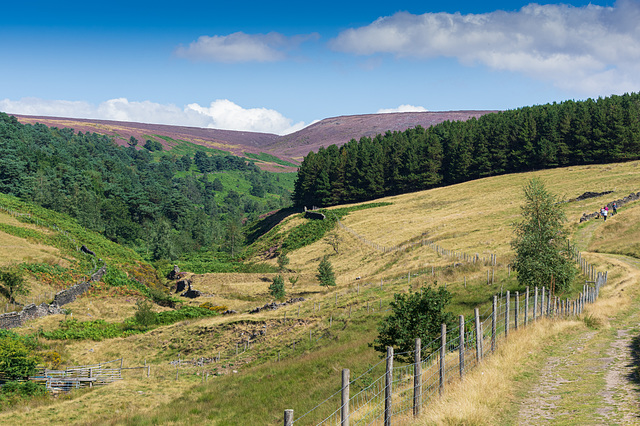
(589, 376)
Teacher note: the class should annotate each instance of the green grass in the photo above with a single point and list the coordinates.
(68, 236)
(268, 158)
(98, 330)
(182, 147)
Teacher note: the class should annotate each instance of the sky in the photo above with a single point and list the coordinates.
(277, 67)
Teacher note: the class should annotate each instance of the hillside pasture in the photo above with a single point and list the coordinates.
(331, 330)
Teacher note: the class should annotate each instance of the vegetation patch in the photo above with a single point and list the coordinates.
(268, 158)
(98, 330)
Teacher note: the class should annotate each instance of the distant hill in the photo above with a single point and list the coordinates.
(336, 130)
(340, 130)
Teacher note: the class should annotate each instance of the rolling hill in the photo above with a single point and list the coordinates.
(337, 130)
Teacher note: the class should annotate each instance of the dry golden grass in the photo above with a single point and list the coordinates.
(472, 217)
(135, 394)
(16, 250)
(620, 234)
(487, 390)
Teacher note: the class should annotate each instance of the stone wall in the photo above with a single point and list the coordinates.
(31, 311)
(619, 203)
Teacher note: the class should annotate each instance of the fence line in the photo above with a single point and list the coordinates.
(491, 259)
(413, 385)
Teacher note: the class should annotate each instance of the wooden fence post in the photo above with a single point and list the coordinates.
(461, 347)
(542, 302)
(478, 336)
(344, 409)
(443, 352)
(517, 313)
(526, 307)
(388, 381)
(506, 314)
(288, 417)
(417, 378)
(494, 319)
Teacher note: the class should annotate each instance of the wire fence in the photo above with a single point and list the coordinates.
(472, 258)
(407, 387)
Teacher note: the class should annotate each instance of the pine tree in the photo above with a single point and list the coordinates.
(540, 240)
(325, 273)
(276, 289)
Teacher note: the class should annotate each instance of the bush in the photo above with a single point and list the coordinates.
(414, 315)
(16, 360)
(276, 289)
(325, 273)
(144, 315)
(215, 308)
(27, 388)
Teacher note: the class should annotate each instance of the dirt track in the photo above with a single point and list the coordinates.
(591, 377)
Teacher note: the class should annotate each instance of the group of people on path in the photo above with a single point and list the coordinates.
(604, 212)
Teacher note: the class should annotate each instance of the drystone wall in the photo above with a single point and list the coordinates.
(619, 203)
(32, 311)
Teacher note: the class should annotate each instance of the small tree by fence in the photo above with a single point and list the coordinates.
(408, 387)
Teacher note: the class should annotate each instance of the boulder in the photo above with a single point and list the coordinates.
(183, 285)
(191, 293)
(174, 274)
(84, 249)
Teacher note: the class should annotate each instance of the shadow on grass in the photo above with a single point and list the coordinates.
(634, 376)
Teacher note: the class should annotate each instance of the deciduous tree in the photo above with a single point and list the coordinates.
(540, 240)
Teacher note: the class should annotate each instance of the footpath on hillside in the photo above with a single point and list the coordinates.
(589, 376)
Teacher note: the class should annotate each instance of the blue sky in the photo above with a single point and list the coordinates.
(278, 66)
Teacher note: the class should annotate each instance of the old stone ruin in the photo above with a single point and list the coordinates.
(183, 285)
(311, 214)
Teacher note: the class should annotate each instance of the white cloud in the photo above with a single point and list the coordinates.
(220, 114)
(241, 47)
(402, 108)
(224, 114)
(592, 50)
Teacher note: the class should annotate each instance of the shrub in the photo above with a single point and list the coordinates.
(27, 388)
(325, 273)
(414, 315)
(276, 289)
(144, 315)
(16, 359)
(215, 308)
(51, 359)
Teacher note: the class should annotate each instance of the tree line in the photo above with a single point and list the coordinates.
(161, 204)
(530, 138)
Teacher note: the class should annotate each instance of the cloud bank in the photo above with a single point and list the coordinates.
(242, 47)
(589, 49)
(402, 108)
(220, 114)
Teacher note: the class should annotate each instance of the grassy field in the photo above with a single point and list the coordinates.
(332, 328)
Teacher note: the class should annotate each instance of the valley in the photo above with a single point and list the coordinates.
(309, 342)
